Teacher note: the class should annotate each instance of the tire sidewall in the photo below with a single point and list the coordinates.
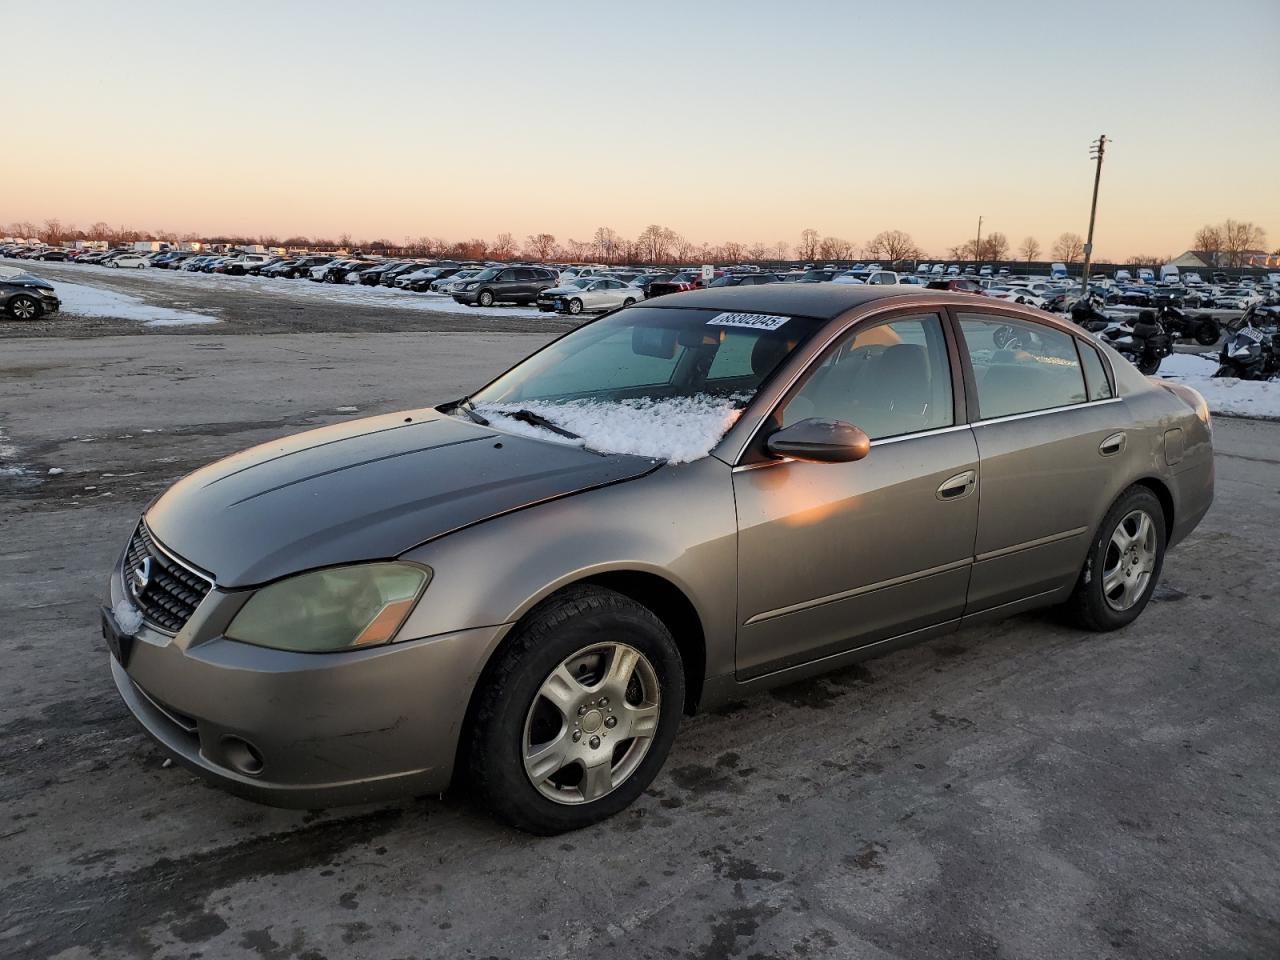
(498, 747)
(485, 299)
(1097, 608)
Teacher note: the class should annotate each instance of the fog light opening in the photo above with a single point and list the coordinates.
(242, 756)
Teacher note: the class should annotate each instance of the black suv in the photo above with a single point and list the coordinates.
(510, 284)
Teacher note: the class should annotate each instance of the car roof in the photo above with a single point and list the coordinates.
(824, 301)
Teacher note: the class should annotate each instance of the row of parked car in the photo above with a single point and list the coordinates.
(578, 289)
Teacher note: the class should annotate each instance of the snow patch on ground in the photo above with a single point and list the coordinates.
(1225, 395)
(676, 429)
(97, 302)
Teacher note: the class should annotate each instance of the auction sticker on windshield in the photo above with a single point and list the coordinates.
(754, 321)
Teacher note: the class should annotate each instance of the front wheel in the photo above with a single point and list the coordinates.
(575, 306)
(23, 307)
(577, 713)
(1123, 564)
(486, 298)
(1208, 333)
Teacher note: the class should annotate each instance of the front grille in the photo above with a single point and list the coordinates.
(171, 593)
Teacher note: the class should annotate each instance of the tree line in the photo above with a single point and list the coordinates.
(1228, 244)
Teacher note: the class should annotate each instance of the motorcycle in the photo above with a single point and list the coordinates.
(1204, 329)
(1251, 353)
(1144, 343)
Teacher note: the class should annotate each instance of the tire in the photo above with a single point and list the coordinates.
(578, 632)
(1102, 602)
(575, 306)
(330, 278)
(485, 299)
(23, 307)
(1148, 367)
(141, 266)
(1208, 333)
(628, 302)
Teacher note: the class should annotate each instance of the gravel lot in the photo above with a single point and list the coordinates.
(1022, 790)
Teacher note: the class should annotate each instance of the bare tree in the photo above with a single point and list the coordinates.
(731, 252)
(504, 248)
(1208, 240)
(685, 250)
(835, 248)
(606, 244)
(52, 231)
(809, 241)
(99, 231)
(1239, 239)
(1069, 247)
(654, 243)
(893, 245)
(995, 246)
(782, 250)
(541, 246)
(760, 251)
(1029, 249)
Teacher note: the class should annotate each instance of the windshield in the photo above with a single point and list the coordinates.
(488, 274)
(664, 383)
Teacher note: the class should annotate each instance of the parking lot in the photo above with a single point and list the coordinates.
(1021, 790)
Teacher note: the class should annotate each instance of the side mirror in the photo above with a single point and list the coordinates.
(820, 441)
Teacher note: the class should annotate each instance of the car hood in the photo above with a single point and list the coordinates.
(27, 280)
(366, 489)
(563, 291)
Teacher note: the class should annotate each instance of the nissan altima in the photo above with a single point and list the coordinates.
(674, 505)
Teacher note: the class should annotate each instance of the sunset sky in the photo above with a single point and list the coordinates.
(745, 121)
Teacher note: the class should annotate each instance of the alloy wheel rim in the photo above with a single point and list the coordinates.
(591, 723)
(1130, 560)
(24, 310)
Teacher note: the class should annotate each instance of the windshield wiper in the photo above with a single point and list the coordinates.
(538, 420)
(466, 407)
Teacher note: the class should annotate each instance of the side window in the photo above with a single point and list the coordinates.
(506, 276)
(889, 379)
(1095, 372)
(1021, 367)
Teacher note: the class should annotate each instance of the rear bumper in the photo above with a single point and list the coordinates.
(321, 729)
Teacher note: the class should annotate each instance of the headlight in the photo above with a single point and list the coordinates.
(471, 286)
(339, 609)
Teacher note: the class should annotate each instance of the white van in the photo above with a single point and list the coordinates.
(1123, 276)
(1057, 271)
(1169, 273)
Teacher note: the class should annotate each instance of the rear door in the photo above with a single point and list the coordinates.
(834, 556)
(1045, 439)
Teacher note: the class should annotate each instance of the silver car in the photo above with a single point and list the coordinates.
(589, 295)
(670, 507)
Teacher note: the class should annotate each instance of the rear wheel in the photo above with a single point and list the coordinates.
(629, 301)
(1208, 332)
(23, 307)
(577, 713)
(1123, 565)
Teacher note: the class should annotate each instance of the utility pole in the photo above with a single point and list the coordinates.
(977, 247)
(1096, 151)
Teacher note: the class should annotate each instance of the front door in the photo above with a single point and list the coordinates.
(833, 556)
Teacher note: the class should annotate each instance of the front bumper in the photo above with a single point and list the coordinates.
(466, 296)
(320, 729)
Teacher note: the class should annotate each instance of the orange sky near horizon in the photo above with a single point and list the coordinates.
(736, 122)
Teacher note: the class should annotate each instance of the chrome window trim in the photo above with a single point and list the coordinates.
(1045, 411)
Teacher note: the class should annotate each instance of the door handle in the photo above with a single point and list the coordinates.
(1112, 445)
(959, 486)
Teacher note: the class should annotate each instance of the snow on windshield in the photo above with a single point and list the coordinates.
(675, 429)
